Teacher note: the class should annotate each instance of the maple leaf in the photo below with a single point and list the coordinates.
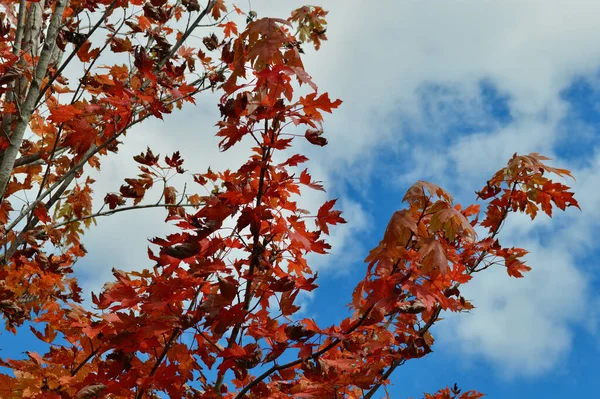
(326, 216)
(191, 5)
(267, 37)
(516, 268)
(218, 9)
(113, 200)
(314, 137)
(64, 113)
(229, 28)
(311, 21)
(433, 256)
(304, 77)
(48, 336)
(148, 158)
(85, 54)
(232, 134)
(9, 387)
(417, 193)
(451, 221)
(277, 350)
(183, 251)
(170, 194)
(532, 162)
(306, 180)
(90, 391)
(82, 135)
(400, 229)
(228, 288)
(556, 193)
(295, 160)
(41, 213)
(312, 104)
(118, 45)
(287, 305)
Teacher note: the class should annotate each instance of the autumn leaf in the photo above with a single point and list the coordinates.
(433, 256)
(228, 289)
(9, 387)
(182, 251)
(312, 105)
(41, 213)
(268, 38)
(452, 222)
(64, 113)
(218, 9)
(400, 229)
(315, 137)
(421, 190)
(295, 160)
(113, 200)
(91, 391)
(120, 45)
(170, 194)
(229, 28)
(232, 134)
(326, 216)
(307, 181)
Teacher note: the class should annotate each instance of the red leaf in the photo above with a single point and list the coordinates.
(326, 216)
(218, 9)
(113, 200)
(314, 137)
(64, 113)
(295, 160)
(41, 213)
(148, 159)
(306, 180)
(228, 289)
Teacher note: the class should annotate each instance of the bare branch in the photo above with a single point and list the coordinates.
(35, 158)
(123, 209)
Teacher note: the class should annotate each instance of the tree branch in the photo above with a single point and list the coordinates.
(59, 71)
(93, 150)
(176, 333)
(123, 209)
(10, 154)
(254, 257)
(384, 377)
(314, 356)
(33, 158)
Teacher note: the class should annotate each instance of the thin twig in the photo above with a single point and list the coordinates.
(123, 209)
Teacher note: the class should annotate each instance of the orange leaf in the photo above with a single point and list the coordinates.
(64, 113)
(306, 180)
(326, 216)
(218, 9)
(433, 256)
(400, 229)
(41, 213)
(229, 28)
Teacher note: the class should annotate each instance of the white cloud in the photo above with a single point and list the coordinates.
(522, 326)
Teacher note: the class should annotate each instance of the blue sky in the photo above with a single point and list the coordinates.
(444, 91)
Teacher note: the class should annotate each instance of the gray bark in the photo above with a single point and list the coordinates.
(16, 137)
